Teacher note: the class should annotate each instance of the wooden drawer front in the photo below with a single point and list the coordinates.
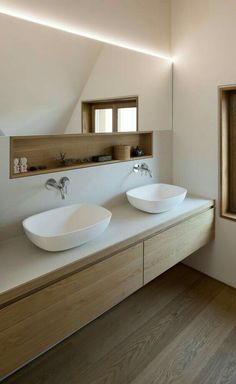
(55, 312)
(168, 248)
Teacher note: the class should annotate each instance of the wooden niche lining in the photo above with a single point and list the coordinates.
(227, 97)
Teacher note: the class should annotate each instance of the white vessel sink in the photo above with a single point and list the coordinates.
(156, 198)
(67, 227)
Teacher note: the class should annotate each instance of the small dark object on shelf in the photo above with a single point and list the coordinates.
(137, 152)
(69, 162)
(86, 160)
(37, 168)
(41, 167)
(101, 158)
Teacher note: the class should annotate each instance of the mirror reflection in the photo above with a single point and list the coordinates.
(103, 120)
(127, 119)
(53, 82)
(106, 116)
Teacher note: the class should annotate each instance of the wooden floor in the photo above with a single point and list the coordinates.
(180, 328)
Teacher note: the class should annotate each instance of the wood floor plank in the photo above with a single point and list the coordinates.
(221, 368)
(131, 356)
(179, 362)
(116, 325)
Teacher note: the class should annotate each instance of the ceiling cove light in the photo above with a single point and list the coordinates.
(79, 32)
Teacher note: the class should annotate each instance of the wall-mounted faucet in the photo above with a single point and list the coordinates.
(61, 186)
(142, 168)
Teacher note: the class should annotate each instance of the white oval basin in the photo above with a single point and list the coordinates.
(66, 227)
(156, 198)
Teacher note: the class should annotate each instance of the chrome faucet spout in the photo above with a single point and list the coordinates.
(64, 182)
(142, 168)
(61, 186)
(61, 189)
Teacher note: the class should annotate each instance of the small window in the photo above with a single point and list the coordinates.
(127, 119)
(105, 116)
(228, 151)
(103, 120)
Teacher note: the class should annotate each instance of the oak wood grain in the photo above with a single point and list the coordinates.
(181, 361)
(175, 244)
(221, 365)
(79, 352)
(178, 329)
(35, 323)
(32, 286)
(45, 150)
(134, 354)
(227, 124)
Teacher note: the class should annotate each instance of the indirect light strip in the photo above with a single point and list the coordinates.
(76, 31)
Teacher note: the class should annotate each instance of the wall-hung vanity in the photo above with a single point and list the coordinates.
(45, 297)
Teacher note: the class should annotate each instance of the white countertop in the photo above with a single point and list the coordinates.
(22, 262)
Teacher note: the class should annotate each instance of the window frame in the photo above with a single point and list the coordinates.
(88, 109)
(226, 155)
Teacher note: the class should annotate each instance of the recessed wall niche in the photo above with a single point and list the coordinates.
(56, 153)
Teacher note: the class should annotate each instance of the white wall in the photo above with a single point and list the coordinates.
(203, 42)
(142, 23)
(120, 72)
(128, 73)
(105, 185)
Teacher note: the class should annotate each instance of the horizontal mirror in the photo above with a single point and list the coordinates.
(53, 82)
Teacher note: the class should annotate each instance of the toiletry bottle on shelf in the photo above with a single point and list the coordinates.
(16, 165)
(23, 164)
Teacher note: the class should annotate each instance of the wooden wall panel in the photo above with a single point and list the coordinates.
(232, 151)
(227, 164)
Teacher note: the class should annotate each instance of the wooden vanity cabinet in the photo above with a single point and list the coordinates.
(171, 246)
(33, 324)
